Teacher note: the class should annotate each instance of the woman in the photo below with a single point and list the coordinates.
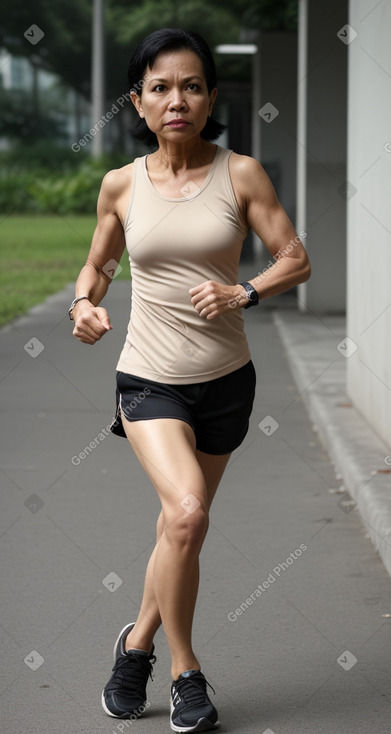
(185, 379)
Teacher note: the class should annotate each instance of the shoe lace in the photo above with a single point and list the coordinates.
(193, 690)
(131, 672)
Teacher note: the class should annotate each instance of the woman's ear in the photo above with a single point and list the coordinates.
(137, 102)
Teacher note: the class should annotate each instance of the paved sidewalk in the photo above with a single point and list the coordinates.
(293, 621)
(315, 348)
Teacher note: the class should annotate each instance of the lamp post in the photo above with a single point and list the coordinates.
(253, 50)
(97, 74)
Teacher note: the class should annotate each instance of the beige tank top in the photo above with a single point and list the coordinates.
(174, 245)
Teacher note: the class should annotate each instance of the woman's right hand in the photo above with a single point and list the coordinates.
(91, 322)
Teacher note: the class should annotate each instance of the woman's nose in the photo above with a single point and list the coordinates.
(177, 101)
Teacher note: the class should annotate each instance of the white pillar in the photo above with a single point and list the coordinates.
(369, 216)
(322, 189)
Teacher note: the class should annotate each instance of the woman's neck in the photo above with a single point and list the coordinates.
(177, 157)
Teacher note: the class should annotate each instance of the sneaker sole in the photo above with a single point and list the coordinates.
(106, 710)
(126, 715)
(201, 725)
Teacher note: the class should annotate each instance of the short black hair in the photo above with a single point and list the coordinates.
(171, 39)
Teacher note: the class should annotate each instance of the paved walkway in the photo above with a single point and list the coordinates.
(316, 351)
(293, 622)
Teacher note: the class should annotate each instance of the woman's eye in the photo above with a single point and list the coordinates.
(192, 86)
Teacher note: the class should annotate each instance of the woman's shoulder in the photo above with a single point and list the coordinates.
(117, 179)
(244, 165)
(248, 175)
(115, 188)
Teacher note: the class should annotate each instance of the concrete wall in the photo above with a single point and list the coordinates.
(321, 210)
(278, 85)
(369, 214)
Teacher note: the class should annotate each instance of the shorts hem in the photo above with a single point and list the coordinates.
(229, 451)
(215, 453)
(156, 417)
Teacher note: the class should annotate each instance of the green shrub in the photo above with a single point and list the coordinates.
(74, 193)
(59, 189)
(42, 154)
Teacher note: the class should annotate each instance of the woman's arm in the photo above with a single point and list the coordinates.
(107, 246)
(267, 218)
(264, 214)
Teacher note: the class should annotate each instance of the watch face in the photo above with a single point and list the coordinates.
(252, 295)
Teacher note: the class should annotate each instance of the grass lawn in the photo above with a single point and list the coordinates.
(39, 256)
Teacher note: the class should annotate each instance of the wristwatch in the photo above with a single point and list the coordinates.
(252, 295)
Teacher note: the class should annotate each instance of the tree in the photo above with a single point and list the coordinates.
(65, 48)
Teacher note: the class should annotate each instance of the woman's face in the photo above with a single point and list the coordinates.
(175, 101)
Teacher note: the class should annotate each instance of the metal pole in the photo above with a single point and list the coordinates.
(301, 169)
(256, 151)
(256, 104)
(97, 75)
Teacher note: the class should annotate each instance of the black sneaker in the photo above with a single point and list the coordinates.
(125, 693)
(191, 709)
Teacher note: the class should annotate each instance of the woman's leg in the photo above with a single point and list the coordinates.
(186, 481)
(148, 620)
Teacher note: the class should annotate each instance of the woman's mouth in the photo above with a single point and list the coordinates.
(177, 123)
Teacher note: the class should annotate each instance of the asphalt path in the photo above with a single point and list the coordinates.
(293, 619)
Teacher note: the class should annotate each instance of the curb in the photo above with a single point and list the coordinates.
(359, 456)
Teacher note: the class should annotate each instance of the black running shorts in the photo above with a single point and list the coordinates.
(217, 410)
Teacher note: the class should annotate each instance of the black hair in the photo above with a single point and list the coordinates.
(171, 39)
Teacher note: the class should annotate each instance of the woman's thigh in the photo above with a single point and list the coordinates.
(166, 450)
(212, 467)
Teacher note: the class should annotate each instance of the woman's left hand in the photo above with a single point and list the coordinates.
(211, 299)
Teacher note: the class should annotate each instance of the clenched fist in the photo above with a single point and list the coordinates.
(210, 299)
(91, 322)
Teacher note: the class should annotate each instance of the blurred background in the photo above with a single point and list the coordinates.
(304, 87)
(65, 117)
(53, 90)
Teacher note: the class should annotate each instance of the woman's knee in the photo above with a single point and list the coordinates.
(187, 527)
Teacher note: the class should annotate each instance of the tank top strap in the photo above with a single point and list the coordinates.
(136, 177)
(221, 186)
(217, 183)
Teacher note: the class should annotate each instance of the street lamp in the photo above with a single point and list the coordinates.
(97, 73)
(236, 48)
(253, 50)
